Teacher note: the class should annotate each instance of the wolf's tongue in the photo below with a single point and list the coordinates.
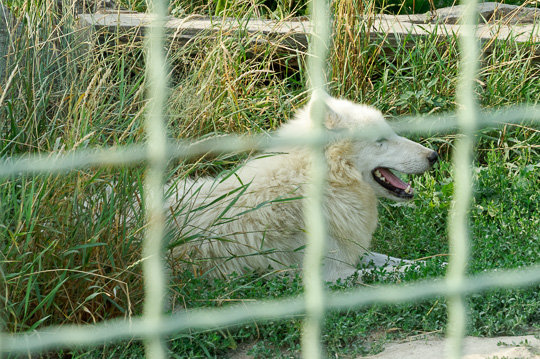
(392, 178)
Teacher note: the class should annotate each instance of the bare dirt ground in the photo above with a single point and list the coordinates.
(433, 347)
(525, 347)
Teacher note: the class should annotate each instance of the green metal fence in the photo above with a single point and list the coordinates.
(154, 325)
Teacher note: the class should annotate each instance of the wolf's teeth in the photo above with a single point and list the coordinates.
(408, 189)
(379, 175)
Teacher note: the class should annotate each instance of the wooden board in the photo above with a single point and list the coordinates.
(292, 36)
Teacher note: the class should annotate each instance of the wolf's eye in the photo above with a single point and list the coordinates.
(380, 141)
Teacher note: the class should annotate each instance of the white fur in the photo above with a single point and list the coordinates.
(254, 218)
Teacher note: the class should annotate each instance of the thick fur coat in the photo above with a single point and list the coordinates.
(253, 218)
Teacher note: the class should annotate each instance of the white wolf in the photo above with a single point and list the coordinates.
(253, 219)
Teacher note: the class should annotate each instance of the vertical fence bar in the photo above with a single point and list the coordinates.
(154, 276)
(458, 221)
(313, 211)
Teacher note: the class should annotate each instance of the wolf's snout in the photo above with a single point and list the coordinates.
(432, 158)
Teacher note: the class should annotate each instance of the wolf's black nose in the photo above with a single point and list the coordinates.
(432, 158)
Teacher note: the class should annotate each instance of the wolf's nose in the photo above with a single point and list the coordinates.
(432, 158)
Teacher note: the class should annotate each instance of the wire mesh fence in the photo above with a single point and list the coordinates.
(154, 326)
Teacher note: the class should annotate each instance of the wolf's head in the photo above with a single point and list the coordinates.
(378, 151)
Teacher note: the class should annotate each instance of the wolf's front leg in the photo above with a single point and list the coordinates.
(334, 269)
(380, 260)
(391, 265)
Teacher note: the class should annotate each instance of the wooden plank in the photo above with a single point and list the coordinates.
(292, 36)
(487, 33)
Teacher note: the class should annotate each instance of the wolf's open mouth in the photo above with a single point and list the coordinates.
(391, 182)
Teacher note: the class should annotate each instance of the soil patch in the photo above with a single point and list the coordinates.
(526, 346)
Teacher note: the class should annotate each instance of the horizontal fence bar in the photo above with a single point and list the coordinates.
(197, 319)
(133, 154)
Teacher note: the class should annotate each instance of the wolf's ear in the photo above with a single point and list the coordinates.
(320, 103)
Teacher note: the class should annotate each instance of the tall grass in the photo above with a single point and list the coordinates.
(68, 255)
(68, 252)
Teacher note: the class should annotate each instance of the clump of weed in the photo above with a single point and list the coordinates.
(232, 84)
